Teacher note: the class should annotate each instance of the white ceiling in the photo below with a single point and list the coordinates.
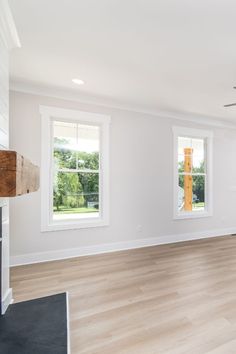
(174, 55)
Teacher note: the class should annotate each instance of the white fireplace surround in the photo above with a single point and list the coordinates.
(8, 40)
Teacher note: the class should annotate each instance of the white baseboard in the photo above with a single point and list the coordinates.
(39, 257)
(7, 300)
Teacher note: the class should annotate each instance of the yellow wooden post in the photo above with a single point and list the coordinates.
(188, 180)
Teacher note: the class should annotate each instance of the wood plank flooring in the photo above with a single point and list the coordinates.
(172, 299)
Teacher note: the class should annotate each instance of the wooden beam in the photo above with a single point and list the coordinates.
(188, 180)
(17, 174)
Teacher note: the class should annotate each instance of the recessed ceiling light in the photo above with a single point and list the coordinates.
(78, 81)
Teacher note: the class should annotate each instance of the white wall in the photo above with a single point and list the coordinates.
(141, 179)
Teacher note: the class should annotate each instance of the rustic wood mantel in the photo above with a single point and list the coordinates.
(17, 174)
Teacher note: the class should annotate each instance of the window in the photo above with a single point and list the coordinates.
(74, 169)
(192, 173)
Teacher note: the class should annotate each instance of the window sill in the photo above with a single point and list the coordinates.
(61, 225)
(192, 215)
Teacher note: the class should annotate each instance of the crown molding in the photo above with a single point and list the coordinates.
(72, 95)
(7, 25)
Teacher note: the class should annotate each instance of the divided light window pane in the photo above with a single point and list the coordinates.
(76, 170)
(192, 174)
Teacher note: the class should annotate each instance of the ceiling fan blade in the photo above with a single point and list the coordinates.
(230, 105)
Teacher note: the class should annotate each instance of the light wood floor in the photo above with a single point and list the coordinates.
(171, 299)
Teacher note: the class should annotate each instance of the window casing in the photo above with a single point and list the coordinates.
(74, 169)
(192, 173)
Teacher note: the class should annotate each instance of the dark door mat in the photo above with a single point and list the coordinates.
(35, 327)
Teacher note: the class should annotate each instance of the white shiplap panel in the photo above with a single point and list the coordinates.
(5, 228)
(4, 87)
(4, 108)
(4, 53)
(4, 139)
(3, 202)
(4, 123)
(4, 92)
(5, 211)
(4, 98)
(8, 39)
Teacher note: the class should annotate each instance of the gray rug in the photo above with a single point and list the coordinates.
(35, 327)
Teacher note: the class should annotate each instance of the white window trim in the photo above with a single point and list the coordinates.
(194, 133)
(48, 114)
